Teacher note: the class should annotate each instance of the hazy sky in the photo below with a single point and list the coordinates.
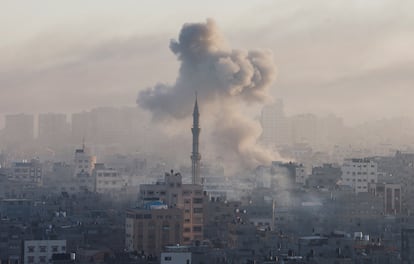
(354, 58)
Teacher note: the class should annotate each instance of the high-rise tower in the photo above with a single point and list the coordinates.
(195, 155)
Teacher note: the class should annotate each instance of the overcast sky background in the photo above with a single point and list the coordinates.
(353, 58)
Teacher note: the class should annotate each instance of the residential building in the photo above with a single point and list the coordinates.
(275, 125)
(188, 197)
(150, 229)
(358, 173)
(300, 175)
(325, 176)
(17, 209)
(176, 255)
(53, 129)
(293, 172)
(27, 171)
(84, 165)
(41, 251)
(391, 194)
(107, 180)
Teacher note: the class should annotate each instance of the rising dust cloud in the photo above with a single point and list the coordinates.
(226, 80)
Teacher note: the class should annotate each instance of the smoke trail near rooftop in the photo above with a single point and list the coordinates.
(227, 80)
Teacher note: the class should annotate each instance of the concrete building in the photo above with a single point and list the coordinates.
(325, 176)
(218, 188)
(176, 255)
(11, 246)
(358, 173)
(41, 251)
(275, 125)
(150, 229)
(291, 171)
(391, 194)
(188, 197)
(84, 161)
(84, 165)
(53, 129)
(107, 180)
(27, 171)
(18, 209)
(300, 175)
(304, 129)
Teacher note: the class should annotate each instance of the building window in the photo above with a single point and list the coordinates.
(197, 228)
(198, 200)
(42, 248)
(167, 258)
(42, 259)
(197, 210)
(54, 248)
(30, 248)
(30, 259)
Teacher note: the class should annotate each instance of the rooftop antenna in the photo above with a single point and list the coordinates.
(83, 143)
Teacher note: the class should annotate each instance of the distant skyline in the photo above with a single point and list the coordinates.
(351, 58)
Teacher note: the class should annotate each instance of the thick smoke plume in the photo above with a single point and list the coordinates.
(227, 81)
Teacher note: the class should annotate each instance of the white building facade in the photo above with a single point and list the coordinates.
(107, 180)
(41, 251)
(358, 173)
(176, 258)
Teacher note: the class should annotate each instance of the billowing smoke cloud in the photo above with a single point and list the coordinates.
(226, 80)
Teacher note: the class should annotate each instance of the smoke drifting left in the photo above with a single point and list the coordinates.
(226, 80)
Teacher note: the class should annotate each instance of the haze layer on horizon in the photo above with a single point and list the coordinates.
(351, 58)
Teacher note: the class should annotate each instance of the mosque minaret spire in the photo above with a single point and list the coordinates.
(195, 155)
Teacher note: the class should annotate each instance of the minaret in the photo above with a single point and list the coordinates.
(195, 155)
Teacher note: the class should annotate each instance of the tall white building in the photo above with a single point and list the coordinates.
(358, 173)
(107, 180)
(276, 128)
(84, 165)
(304, 129)
(84, 162)
(53, 129)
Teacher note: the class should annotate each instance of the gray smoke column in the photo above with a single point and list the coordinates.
(226, 80)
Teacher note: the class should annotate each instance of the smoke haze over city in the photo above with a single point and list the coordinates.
(220, 132)
(325, 53)
(225, 81)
